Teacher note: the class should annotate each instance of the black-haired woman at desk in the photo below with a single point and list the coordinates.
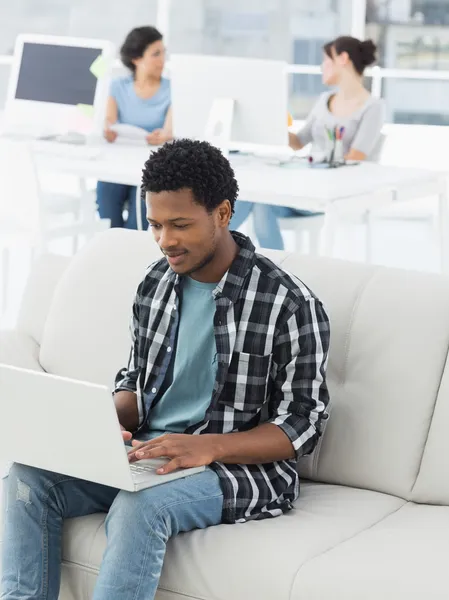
(350, 109)
(141, 99)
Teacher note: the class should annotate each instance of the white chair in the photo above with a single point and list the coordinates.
(29, 218)
(308, 230)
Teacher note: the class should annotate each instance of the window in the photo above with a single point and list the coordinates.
(289, 30)
(417, 101)
(106, 20)
(421, 118)
(410, 34)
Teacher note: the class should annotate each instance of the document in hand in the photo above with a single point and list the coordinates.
(129, 134)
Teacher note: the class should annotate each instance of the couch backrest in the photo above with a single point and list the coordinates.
(389, 341)
(86, 335)
(390, 336)
(38, 294)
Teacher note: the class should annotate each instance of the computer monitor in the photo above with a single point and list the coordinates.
(57, 83)
(249, 96)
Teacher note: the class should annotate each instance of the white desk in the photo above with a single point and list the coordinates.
(356, 189)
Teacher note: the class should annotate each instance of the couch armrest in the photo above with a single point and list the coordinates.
(19, 350)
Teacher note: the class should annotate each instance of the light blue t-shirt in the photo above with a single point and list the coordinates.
(148, 113)
(187, 390)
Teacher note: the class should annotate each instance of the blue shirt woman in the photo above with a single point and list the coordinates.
(141, 99)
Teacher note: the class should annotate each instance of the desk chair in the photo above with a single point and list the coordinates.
(308, 230)
(29, 218)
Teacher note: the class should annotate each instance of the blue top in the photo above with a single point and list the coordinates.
(148, 113)
(188, 385)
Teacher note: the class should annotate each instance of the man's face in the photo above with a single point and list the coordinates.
(185, 231)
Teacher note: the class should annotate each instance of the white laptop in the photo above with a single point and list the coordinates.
(70, 427)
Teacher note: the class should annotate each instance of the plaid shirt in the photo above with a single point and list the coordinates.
(272, 338)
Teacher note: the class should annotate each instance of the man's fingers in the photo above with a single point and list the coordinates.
(126, 436)
(136, 443)
(154, 452)
(171, 466)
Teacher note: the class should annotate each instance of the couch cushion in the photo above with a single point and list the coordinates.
(389, 341)
(19, 349)
(86, 335)
(403, 557)
(235, 562)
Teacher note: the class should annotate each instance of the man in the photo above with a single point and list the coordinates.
(227, 370)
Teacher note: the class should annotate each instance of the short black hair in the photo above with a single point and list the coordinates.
(361, 53)
(135, 44)
(194, 165)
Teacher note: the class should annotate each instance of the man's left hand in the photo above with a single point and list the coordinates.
(182, 449)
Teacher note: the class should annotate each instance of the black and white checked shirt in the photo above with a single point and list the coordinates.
(272, 338)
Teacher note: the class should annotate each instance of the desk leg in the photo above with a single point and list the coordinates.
(369, 237)
(443, 227)
(329, 234)
(138, 210)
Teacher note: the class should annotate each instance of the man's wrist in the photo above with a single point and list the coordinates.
(217, 443)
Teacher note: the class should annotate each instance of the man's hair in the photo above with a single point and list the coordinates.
(197, 166)
(135, 44)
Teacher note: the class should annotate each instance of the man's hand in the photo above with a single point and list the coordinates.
(183, 451)
(156, 137)
(126, 434)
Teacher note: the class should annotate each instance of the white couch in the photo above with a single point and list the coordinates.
(372, 520)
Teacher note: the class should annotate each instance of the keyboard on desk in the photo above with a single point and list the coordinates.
(64, 150)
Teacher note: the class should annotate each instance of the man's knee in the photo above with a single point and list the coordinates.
(168, 509)
(22, 480)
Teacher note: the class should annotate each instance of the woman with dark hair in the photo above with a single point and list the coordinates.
(141, 99)
(349, 106)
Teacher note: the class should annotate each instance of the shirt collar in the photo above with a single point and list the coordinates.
(232, 281)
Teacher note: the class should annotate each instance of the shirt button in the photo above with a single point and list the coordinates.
(154, 390)
(169, 349)
(174, 308)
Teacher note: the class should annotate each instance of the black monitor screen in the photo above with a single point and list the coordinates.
(60, 74)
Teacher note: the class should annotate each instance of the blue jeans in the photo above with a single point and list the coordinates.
(265, 218)
(138, 526)
(111, 201)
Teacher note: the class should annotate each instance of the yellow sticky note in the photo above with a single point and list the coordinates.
(86, 109)
(98, 67)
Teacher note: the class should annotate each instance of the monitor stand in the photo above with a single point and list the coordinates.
(219, 124)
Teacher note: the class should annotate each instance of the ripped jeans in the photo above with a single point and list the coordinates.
(138, 526)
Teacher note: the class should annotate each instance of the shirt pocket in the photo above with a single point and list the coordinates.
(246, 382)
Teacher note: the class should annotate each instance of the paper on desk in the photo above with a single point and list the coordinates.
(129, 134)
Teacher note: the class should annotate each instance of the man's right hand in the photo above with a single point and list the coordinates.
(110, 135)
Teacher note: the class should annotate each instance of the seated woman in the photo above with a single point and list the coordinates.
(350, 106)
(141, 99)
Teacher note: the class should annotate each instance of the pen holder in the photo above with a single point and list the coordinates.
(337, 153)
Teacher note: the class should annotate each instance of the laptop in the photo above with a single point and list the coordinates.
(70, 427)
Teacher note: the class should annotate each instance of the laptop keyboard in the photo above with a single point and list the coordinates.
(147, 465)
(139, 469)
